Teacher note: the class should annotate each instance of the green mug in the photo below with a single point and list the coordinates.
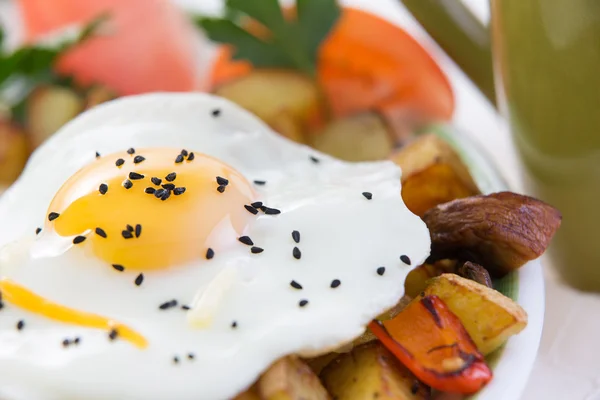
(541, 62)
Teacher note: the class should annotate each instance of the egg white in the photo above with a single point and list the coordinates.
(343, 236)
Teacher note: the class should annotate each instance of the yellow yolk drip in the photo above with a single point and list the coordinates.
(172, 231)
(21, 297)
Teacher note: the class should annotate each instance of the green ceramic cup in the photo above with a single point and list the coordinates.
(546, 71)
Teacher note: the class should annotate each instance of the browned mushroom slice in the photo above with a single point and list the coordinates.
(501, 231)
(475, 272)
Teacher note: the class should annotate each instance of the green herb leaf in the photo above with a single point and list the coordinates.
(316, 19)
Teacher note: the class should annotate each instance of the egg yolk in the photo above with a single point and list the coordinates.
(152, 208)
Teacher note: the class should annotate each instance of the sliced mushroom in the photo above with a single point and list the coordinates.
(501, 231)
(475, 272)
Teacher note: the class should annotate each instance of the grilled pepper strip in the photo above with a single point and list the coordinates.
(432, 342)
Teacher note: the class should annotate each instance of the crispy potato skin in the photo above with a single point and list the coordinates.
(287, 101)
(489, 317)
(290, 379)
(359, 137)
(370, 371)
(432, 174)
(501, 231)
(14, 151)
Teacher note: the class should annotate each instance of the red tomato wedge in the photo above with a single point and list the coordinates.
(150, 45)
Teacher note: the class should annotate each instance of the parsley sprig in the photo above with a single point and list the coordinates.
(292, 44)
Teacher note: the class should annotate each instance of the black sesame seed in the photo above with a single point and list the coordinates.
(176, 360)
(297, 253)
(179, 159)
(296, 236)
(165, 195)
(156, 181)
(168, 304)
(256, 250)
(171, 177)
(159, 193)
(381, 271)
(246, 240)
(129, 228)
(38, 230)
(20, 325)
(131, 150)
(66, 343)
(257, 204)
(178, 190)
(134, 176)
(260, 182)
(185, 307)
(221, 189)
(127, 184)
(271, 211)
(138, 230)
(52, 216)
(140, 278)
(251, 209)
(222, 181)
(126, 234)
(302, 303)
(314, 159)
(234, 324)
(169, 186)
(184, 152)
(335, 283)
(191, 156)
(368, 195)
(295, 285)
(210, 253)
(100, 232)
(150, 190)
(405, 259)
(191, 356)
(77, 340)
(216, 112)
(138, 159)
(118, 267)
(112, 335)
(78, 239)
(97, 155)
(103, 188)
(119, 162)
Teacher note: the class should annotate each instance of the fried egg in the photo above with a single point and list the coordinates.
(171, 246)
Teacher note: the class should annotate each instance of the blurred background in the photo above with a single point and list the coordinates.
(364, 90)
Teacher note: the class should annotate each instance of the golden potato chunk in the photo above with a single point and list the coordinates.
(360, 137)
(287, 101)
(500, 231)
(98, 95)
(489, 317)
(250, 394)
(49, 108)
(290, 379)
(432, 174)
(14, 151)
(370, 371)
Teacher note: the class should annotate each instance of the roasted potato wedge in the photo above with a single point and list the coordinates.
(370, 371)
(49, 108)
(501, 231)
(288, 101)
(360, 137)
(290, 379)
(489, 317)
(432, 174)
(14, 151)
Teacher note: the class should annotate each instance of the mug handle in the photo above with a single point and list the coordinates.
(461, 35)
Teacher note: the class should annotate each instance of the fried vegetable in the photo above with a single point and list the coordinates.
(290, 379)
(250, 394)
(501, 231)
(360, 137)
(489, 317)
(49, 108)
(475, 272)
(13, 152)
(416, 280)
(368, 336)
(370, 371)
(318, 363)
(98, 95)
(432, 174)
(287, 101)
(431, 342)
